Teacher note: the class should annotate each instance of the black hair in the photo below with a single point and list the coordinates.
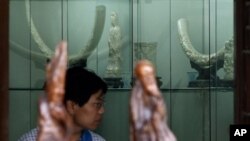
(81, 83)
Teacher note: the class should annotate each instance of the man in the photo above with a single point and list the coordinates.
(84, 100)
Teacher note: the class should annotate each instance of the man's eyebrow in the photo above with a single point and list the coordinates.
(101, 98)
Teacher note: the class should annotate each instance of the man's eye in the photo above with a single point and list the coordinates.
(99, 104)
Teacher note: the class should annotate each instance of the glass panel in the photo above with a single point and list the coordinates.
(115, 47)
(89, 33)
(19, 41)
(22, 111)
(152, 36)
(189, 42)
(194, 59)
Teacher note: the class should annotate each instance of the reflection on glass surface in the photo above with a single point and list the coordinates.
(155, 22)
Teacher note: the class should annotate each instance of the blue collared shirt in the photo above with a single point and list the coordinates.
(32, 135)
(86, 136)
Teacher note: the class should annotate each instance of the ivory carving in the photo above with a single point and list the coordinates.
(148, 114)
(204, 60)
(83, 54)
(115, 43)
(229, 60)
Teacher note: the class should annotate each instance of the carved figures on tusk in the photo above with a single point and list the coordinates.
(115, 43)
(77, 59)
(205, 61)
(229, 60)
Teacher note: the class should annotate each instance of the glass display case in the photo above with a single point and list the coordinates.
(192, 39)
(190, 42)
(85, 24)
(186, 41)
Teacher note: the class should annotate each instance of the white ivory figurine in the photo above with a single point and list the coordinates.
(115, 43)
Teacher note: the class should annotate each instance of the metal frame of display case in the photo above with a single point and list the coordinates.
(4, 60)
(242, 35)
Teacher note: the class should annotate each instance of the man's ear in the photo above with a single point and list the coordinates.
(71, 107)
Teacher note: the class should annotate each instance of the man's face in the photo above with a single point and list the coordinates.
(89, 115)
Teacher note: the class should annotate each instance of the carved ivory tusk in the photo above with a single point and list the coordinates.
(95, 38)
(25, 52)
(86, 51)
(39, 41)
(203, 60)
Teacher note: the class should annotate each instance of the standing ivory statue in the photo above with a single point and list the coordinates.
(115, 43)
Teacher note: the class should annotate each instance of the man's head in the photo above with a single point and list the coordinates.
(84, 97)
